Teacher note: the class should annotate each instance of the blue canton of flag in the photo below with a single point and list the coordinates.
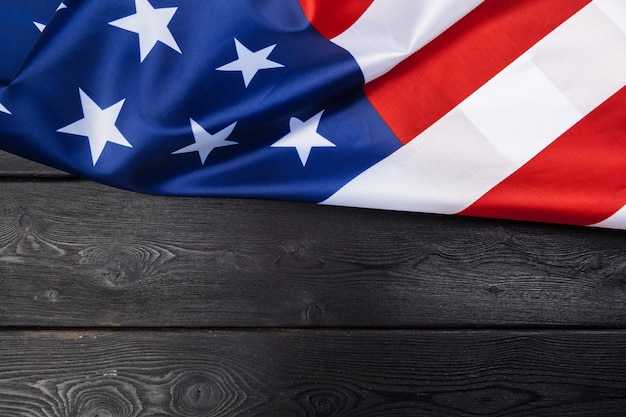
(188, 98)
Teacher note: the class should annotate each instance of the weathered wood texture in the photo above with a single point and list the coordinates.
(80, 254)
(312, 373)
(74, 254)
(13, 166)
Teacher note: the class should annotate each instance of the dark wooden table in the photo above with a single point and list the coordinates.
(120, 304)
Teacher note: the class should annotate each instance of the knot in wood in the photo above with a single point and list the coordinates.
(494, 289)
(103, 400)
(31, 240)
(328, 402)
(296, 254)
(119, 273)
(214, 395)
(594, 262)
(26, 223)
(315, 313)
(500, 234)
(125, 264)
(324, 407)
(291, 246)
(53, 296)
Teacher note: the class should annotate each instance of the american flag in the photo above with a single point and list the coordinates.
(500, 108)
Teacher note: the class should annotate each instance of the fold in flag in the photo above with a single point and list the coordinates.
(499, 108)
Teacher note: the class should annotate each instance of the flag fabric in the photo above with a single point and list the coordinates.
(499, 108)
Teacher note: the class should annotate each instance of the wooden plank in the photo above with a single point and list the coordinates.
(80, 254)
(14, 166)
(312, 373)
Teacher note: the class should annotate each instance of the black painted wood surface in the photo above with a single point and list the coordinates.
(81, 254)
(15, 167)
(120, 304)
(294, 373)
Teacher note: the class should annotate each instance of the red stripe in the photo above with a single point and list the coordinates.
(437, 78)
(579, 179)
(332, 17)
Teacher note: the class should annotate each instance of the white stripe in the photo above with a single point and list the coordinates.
(615, 10)
(391, 30)
(616, 221)
(502, 125)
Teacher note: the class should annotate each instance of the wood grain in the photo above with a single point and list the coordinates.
(312, 373)
(13, 166)
(75, 253)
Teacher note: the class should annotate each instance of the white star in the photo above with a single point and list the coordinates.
(151, 26)
(303, 137)
(61, 6)
(98, 125)
(249, 63)
(40, 26)
(4, 109)
(206, 142)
